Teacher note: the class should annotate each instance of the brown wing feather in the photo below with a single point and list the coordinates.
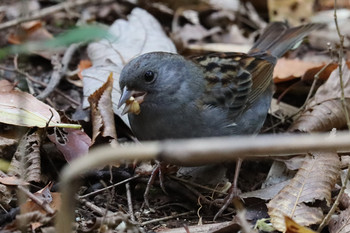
(234, 80)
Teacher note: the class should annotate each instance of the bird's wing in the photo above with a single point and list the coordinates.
(234, 80)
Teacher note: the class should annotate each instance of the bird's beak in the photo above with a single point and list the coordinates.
(132, 100)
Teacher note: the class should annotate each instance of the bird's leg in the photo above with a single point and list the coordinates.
(233, 192)
(157, 170)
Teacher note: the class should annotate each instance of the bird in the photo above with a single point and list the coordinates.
(168, 96)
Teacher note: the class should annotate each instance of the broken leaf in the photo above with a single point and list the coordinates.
(73, 143)
(325, 110)
(314, 181)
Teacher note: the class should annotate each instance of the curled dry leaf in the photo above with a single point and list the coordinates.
(325, 111)
(141, 34)
(26, 160)
(101, 111)
(314, 181)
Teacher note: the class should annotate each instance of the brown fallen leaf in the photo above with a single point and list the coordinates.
(293, 227)
(102, 112)
(83, 64)
(325, 111)
(53, 199)
(6, 86)
(289, 69)
(314, 181)
(73, 143)
(31, 31)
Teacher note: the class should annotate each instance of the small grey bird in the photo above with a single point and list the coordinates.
(210, 95)
(168, 96)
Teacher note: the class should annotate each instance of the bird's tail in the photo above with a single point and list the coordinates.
(278, 38)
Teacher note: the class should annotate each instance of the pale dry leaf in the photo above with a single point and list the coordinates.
(325, 111)
(341, 223)
(141, 34)
(287, 69)
(26, 160)
(23, 109)
(314, 181)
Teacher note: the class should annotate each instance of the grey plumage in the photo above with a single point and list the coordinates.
(212, 95)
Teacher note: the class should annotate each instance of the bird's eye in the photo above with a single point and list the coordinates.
(149, 76)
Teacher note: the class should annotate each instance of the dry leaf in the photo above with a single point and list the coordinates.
(23, 109)
(6, 86)
(288, 69)
(314, 181)
(325, 111)
(73, 143)
(340, 224)
(293, 227)
(83, 64)
(102, 113)
(31, 31)
(51, 198)
(26, 160)
(141, 34)
(26, 220)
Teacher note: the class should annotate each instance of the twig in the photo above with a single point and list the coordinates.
(48, 11)
(196, 185)
(167, 218)
(192, 152)
(340, 66)
(95, 208)
(109, 187)
(59, 70)
(130, 206)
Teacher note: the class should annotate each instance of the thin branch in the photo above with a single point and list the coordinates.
(167, 218)
(340, 65)
(59, 70)
(192, 152)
